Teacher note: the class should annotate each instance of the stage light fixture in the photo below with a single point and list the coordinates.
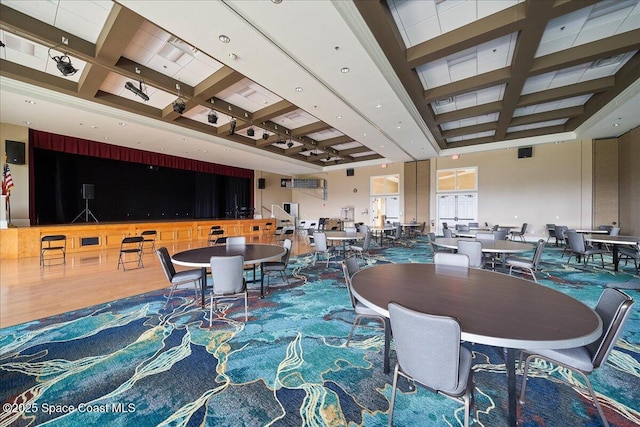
(251, 132)
(304, 149)
(63, 63)
(232, 128)
(212, 117)
(265, 135)
(179, 106)
(289, 144)
(136, 90)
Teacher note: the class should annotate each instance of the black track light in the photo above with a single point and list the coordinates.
(289, 144)
(303, 149)
(251, 132)
(212, 117)
(136, 90)
(179, 106)
(232, 128)
(63, 63)
(265, 135)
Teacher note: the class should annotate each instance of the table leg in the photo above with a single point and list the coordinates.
(387, 344)
(203, 284)
(616, 259)
(261, 281)
(510, 365)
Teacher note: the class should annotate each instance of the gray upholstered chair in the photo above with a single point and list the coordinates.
(322, 248)
(176, 279)
(349, 268)
(453, 260)
(633, 253)
(527, 265)
(519, 233)
(614, 308)
(227, 274)
(236, 241)
(500, 234)
(397, 233)
(270, 267)
(561, 236)
(130, 247)
(429, 353)
(364, 249)
(446, 232)
(580, 248)
(551, 229)
(472, 249)
(486, 236)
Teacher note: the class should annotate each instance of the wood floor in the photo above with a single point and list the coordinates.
(29, 292)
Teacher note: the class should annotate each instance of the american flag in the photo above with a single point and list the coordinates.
(7, 181)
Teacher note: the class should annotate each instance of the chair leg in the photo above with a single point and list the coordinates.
(393, 395)
(355, 323)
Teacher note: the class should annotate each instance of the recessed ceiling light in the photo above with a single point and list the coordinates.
(276, 1)
(223, 38)
(379, 106)
(28, 101)
(338, 117)
(106, 137)
(382, 146)
(364, 134)
(344, 70)
(616, 125)
(122, 123)
(299, 89)
(26, 122)
(233, 56)
(94, 127)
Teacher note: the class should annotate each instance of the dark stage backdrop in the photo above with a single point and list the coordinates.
(130, 191)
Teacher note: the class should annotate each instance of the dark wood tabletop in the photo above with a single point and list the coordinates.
(492, 308)
(253, 254)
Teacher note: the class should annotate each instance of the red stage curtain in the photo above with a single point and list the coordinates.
(84, 147)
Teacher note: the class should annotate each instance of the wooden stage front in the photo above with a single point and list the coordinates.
(25, 241)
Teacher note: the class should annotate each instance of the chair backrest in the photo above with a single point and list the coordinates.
(605, 227)
(495, 227)
(445, 225)
(500, 234)
(131, 241)
(560, 231)
(447, 233)
(53, 238)
(320, 239)
(487, 236)
(537, 255)
(165, 262)
(473, 224)
(227, 274)
(576, 241)
(398, 230)
(462, 227)
(524, 227)
(363, 228)
(453, 260)
(551, 229)
(615, 231)
(349, 268)
(613, 307)
(149, 233)
(472, 249)
(350, 230)
(367, 240)
(286, 243)
(427, 347)
(236, 241)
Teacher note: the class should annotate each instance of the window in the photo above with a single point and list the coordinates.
(464, 179)
(387, 184)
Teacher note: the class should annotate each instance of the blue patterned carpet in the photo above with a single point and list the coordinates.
(133, 363)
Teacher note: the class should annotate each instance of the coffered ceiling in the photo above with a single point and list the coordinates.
(299, 87)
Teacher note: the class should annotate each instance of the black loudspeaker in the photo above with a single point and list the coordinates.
(350, 172)
(262, 183)
(15, 152)
(88, 191)
(525, 152)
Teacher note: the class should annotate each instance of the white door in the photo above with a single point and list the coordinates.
(457, 208)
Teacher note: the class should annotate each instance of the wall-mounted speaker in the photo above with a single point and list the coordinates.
(15, 152)
(88, 191)
(262, 183)
(525, 152)
(350, 172)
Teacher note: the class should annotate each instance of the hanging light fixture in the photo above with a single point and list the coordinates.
(63, 63)
(179, 105)
(212, 117)
(232, 128)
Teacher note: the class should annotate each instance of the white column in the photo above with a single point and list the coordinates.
(3, 212)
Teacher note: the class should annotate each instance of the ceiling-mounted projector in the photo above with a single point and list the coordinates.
(136, 90)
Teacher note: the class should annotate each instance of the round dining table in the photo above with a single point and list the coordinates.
(502, 247)
(492, 308)
(343, 237)
(254, 253)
